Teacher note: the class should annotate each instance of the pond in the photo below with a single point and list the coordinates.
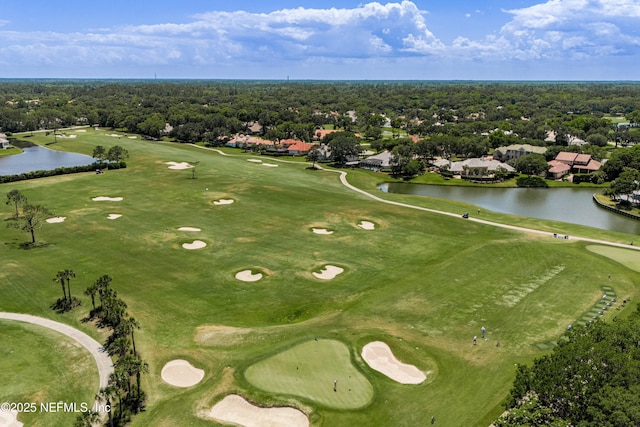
(572, 205)
(41, 158)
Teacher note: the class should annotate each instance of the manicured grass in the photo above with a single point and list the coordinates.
(309, 370)
(626, 257)
(38, 366)
(422, 282)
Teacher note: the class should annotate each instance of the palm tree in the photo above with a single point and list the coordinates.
(60, 278)
(127, 326)
(87, 419)
(92, 291)
(68, 275)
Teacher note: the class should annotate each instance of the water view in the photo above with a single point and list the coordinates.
(41, 158)
(573, 205)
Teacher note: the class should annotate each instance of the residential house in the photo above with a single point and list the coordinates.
(578, 163)
(377, 162)
(558, 169)
(478, 167)
(4, 142)
(299, 148)
(515, 151)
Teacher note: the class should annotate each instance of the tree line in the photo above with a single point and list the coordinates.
(590, 379)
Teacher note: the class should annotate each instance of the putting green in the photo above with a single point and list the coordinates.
(627, 257)
(309, 370)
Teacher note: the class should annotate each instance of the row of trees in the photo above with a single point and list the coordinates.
(123, 393)
(205, 111)
(590, 379)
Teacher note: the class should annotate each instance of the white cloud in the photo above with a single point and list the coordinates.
(366, 34)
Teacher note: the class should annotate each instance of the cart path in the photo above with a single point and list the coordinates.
(343, 180)
(103, 361)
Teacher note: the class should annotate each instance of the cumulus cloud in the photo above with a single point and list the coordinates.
(364, 34)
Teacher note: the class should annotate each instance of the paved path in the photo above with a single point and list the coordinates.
(105, 365)
(343, 180)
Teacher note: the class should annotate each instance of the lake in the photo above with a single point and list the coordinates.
(573, 205)
(41, 158)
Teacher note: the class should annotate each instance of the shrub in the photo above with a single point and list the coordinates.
(531, 181)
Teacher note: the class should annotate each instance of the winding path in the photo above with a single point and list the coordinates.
(343, 180)
(103, 361)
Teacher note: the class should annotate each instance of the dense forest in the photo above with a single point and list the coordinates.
(448, 119)
(205, 110)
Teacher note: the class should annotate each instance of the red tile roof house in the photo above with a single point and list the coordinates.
(558, 169)
(579, 163)
(297, 148)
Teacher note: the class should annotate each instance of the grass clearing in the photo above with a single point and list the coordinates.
(308, 370)
(422, 282)
(38, 366)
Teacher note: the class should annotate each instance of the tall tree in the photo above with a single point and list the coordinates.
(31, 219)
(16, 198)
(68, 275)
(61, 279)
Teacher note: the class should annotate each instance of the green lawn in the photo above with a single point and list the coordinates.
(422, 282)
(309, 370)
(38, 366)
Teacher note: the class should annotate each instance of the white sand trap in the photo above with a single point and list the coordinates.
(81, 130)
(9, 419)
(367, 225)
(223, 202)
(328, 272)
(132, 137)
(321, 231)
(114, 216)
(181, 373)
(270, 165)
(248, 276)
(56, 219)
(254, 160)
(378, 356)
(233, 409)
(197, 244)
(178, 166)
(188, 229)
(107, 199)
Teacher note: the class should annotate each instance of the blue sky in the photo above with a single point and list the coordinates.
(420, 39)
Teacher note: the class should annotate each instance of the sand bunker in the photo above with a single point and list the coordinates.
(180, 373)
(248, 276)
(254, 160)
(81, 130)
(270, 165)
(321, 231)
(378, 356)
(56, 219)
(188, 229)
(114, 216)
(178, 166)
(223, 202)
(197, 244)
(367, 225)
(234, 409)
(107, 199)
(328, 272)
(132, 137)
(9, 419)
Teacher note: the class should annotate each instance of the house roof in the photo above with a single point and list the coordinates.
(490, 165)
(558, 167)
(300, 146)
(582, 159)
(380, 159)
(566, 157)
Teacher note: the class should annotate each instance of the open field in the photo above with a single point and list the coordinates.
(41, 366)
(422, 282)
